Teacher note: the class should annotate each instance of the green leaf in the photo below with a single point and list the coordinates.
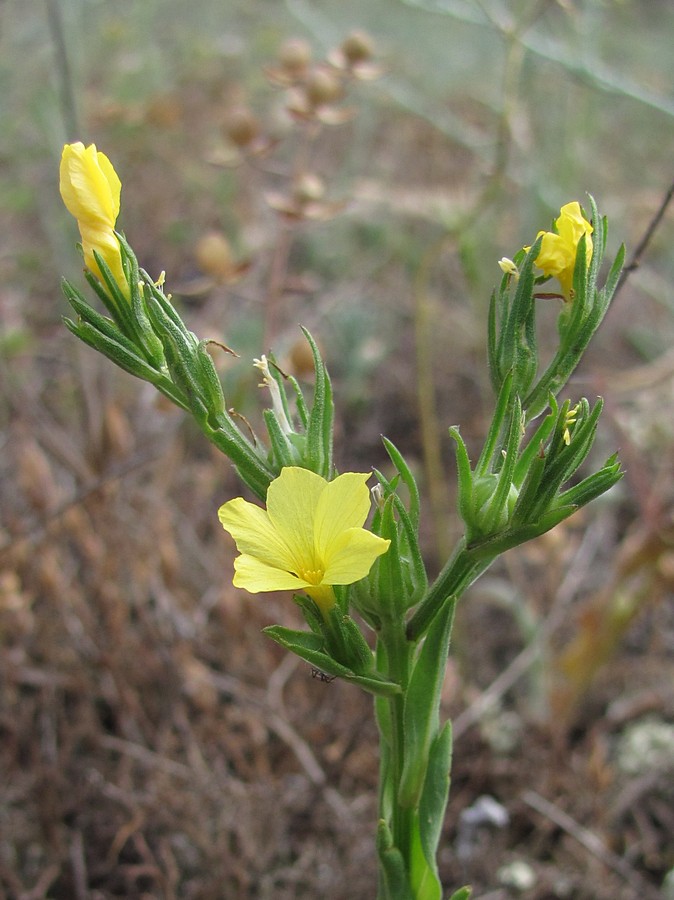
(423, 876)
(433, 802)
(318, 453)
(503, 405)
(113, 348)
(304, 645)
(252, 469)
(422, 703)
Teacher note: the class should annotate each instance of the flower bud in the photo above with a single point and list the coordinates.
(241, 127)
(323, 88)
(91, 190)
(294, 57)
(357, 47)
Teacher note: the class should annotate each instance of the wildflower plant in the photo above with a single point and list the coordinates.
(373, 616)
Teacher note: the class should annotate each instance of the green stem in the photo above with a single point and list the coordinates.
(398, 655)
(460, 572)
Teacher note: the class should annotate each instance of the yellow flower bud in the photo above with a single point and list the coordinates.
(90, 189)
(508, 267)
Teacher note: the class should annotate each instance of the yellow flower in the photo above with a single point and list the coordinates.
(309, 538)
(557, 256)
(90, 189)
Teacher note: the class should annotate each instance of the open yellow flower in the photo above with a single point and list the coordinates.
(309, 538)
(557, 256)
(91, 189)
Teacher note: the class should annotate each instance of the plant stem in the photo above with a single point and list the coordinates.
(460, 572)
(398, 653)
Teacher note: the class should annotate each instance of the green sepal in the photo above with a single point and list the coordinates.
(497, 513)
(501, 410)
(491, 547)
(409, 481)
(422, 704)
(393, 881)
(308, 646)
(180, 348)
(147, 339)
(284, 451)
(318, 451)
(465, 478)
(345, 643)
(312, 614)
(391, 589)
(209, 379)
(281, 378)
(112, 296)
(534, 444)
(594, 485)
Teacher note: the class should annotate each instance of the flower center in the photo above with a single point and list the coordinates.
(313, 576)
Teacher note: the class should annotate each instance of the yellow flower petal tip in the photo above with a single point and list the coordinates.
(90, 189)
(309, 538)
(557, 256)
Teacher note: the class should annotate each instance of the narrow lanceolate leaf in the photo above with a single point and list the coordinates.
(114, 349)
(318, 454)
(435, 793)
(423, 876)
(422, 703)
(409, 481)
(306, 645)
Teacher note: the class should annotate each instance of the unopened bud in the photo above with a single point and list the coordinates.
(323, 88)
(308, 188)
(294, 56)
(213, 254)
(241, 127)
(357, 47)
(508, 267)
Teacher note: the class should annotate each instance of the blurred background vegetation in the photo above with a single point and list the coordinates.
(153, 743)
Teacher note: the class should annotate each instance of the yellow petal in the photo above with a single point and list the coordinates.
(353, 555)
(256, 576)
(254, 534)
(292, 500)
(344, 504)
(89, 186)
(91, 190)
